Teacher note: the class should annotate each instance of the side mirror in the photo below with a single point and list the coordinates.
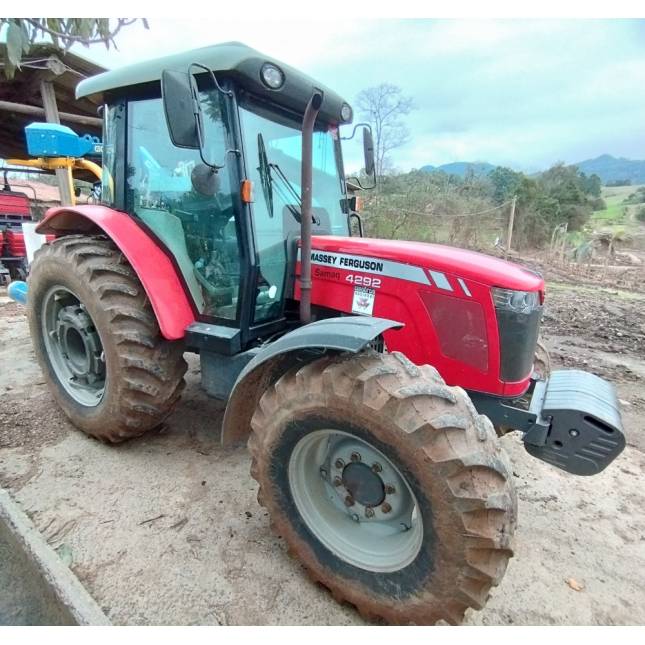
(368, 151)
(178, 93)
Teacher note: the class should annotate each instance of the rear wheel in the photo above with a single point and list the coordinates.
(387, 485)
(97, 340)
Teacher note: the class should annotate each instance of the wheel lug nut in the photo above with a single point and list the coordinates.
(323, 473)
(355, 457)
(355, 517)
(376, 467)
(349, 501)
(389, 489)
(338, 481)
(369, 512)
(386, 508)
(339, 463)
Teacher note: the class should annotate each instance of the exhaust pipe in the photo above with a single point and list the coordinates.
(306, 214)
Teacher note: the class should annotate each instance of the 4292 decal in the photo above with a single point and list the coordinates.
(363, 281)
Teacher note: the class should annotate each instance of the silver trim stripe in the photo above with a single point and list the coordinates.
(368, 264)
(440, 280)
(464, 288)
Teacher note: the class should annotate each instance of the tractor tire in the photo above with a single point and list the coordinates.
(413, 522)
(542, 360)
(97, 340)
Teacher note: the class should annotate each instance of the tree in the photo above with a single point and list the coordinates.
(384, 106)
(22, 33)
(505, 182)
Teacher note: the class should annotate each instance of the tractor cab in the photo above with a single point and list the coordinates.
(204, 149)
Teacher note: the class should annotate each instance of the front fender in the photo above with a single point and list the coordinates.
(303, 345)
(152, 265)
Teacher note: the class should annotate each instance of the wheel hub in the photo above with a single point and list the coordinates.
(73, 346)
(355, 500)
(363, 484)
(79, 343)
(367, 485)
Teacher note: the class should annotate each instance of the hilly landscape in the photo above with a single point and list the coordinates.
(610, 169)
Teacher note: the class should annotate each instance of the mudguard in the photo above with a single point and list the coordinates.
(152, 265)
(303, 345)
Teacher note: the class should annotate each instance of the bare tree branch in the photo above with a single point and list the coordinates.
(384, 106)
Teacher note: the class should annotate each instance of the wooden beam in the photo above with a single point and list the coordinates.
(51, 114)
(8, 106)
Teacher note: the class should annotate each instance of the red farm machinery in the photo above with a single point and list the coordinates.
(371, 378)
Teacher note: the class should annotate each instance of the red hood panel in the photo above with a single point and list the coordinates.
(459, 262)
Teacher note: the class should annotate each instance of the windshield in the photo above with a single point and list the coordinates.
(273, 151)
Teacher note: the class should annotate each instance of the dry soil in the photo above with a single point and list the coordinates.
(166, 529)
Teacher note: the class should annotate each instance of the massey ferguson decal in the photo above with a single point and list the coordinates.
(387, 268)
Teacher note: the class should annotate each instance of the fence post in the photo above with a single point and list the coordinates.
(511, 221)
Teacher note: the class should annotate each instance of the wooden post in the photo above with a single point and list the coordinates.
(48, 95)
(511, 221)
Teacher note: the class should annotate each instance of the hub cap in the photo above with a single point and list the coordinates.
(73, 346)
(355, 501)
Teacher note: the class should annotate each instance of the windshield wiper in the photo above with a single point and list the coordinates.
(265, 174)
(266, 170)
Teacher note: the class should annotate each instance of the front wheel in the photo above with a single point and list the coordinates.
(387, 486)
(97, 340)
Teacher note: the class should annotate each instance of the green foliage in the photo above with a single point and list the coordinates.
(598, 204)
(640, 214)
(506, 183)
(637, 197)
(592, 184)
(473, 211)
(63, 33)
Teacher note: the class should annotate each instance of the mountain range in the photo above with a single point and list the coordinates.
(607, 167)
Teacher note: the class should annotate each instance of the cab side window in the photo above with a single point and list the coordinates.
(199, 229)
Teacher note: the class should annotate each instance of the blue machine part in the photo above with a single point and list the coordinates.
(18, 291)
(54, 140)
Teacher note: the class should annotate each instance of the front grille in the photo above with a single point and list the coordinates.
(518, 334)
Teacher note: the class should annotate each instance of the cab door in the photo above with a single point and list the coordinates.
(199, 228)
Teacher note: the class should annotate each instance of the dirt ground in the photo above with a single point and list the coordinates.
(167, 530)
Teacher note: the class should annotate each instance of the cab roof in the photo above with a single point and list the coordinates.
(234, 60)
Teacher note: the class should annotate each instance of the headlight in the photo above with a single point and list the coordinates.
(272, 76)
(521, 302)
(346, 113)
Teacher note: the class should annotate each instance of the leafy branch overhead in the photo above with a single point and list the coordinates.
(22, 33)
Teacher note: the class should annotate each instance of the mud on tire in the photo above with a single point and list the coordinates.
(143, 371)
(447, 453)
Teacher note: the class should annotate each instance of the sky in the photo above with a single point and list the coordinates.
(522, 93)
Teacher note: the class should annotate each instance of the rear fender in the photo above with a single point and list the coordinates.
(301, 346)
(152, 265)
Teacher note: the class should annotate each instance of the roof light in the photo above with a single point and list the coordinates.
(272, 76)
(346, 113)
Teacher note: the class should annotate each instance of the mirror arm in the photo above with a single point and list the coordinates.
(358, 125)
(358, 181)
(360, 185)
(228, 93)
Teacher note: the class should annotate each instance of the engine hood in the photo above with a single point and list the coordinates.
(460, 263)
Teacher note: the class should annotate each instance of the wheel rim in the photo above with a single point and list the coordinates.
(73, 346)
(355, 501)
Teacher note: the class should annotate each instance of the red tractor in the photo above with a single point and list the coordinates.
(368, 376)
(14, 210)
